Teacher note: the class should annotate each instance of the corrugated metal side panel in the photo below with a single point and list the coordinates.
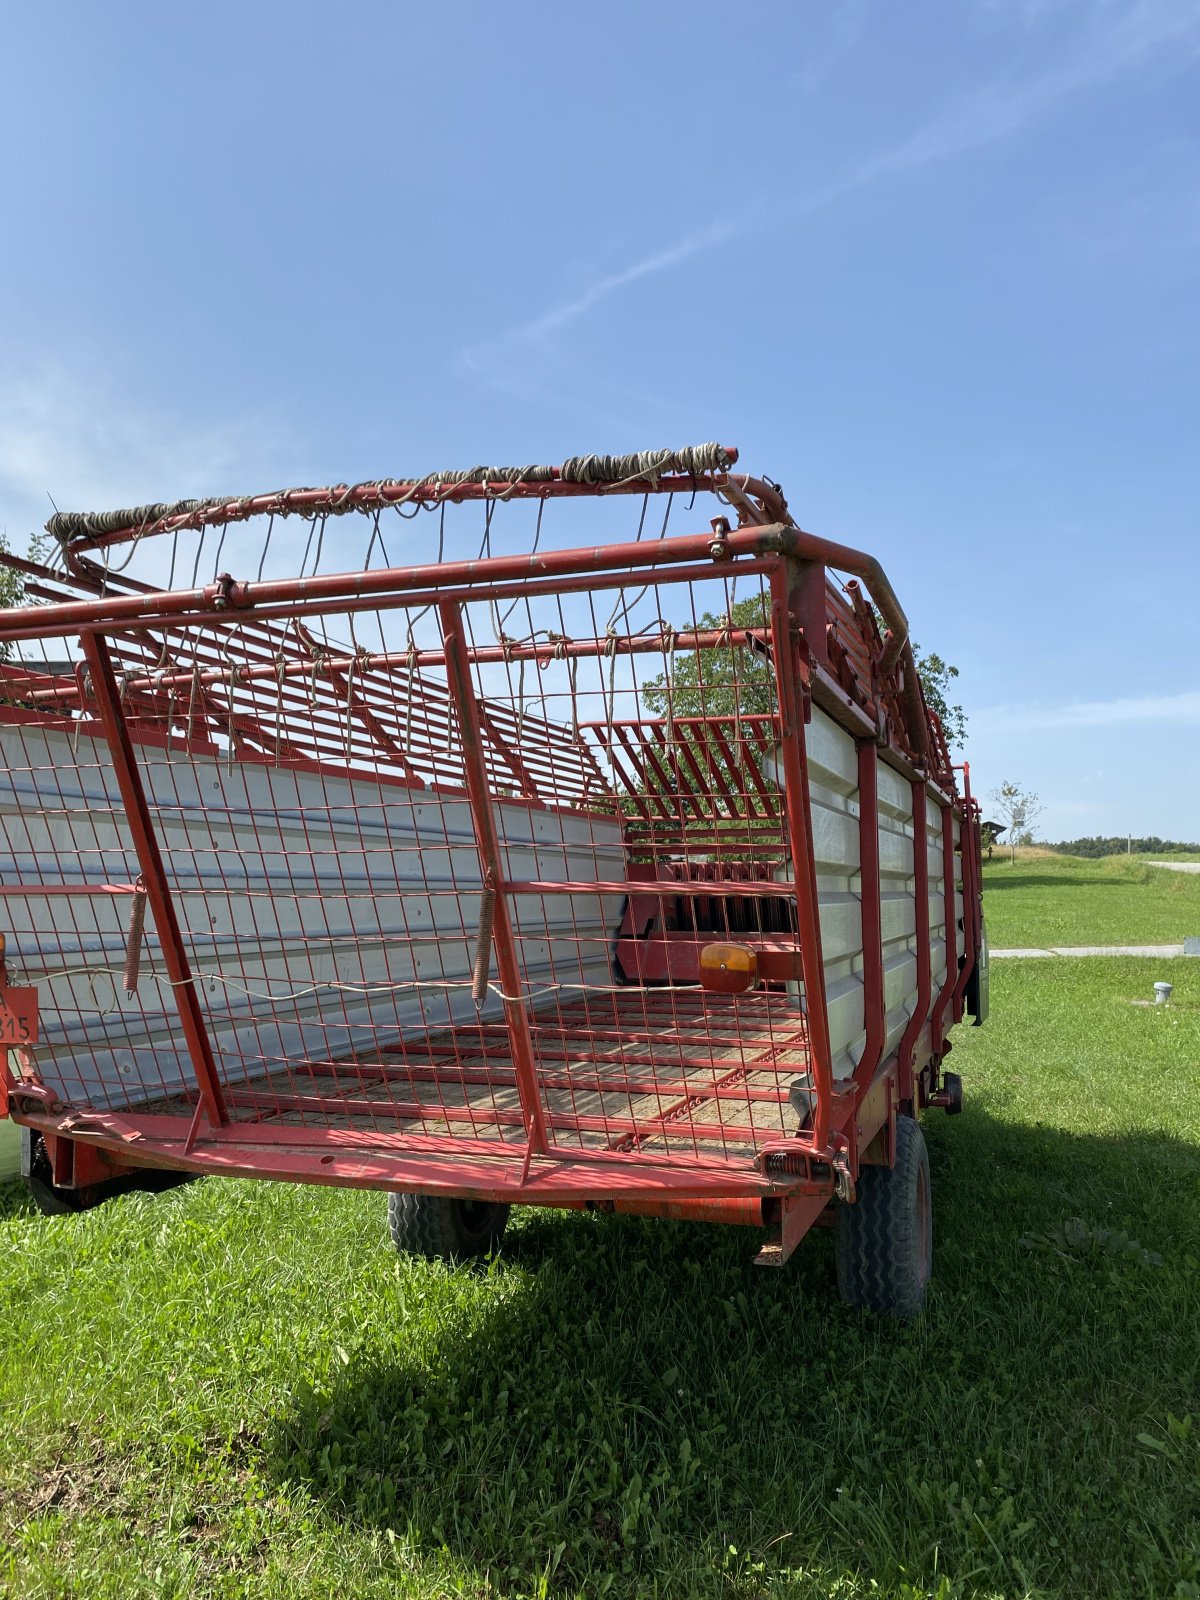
(897, 908)
(833, 785)
(934, 814)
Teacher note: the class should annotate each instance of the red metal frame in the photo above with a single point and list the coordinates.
(459, 668)
(104, 687)
(651, 1096)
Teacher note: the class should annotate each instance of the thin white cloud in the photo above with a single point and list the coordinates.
(717, 232)
(846, 24)
(1180, 710)
(1112, 48)
(1118, 39)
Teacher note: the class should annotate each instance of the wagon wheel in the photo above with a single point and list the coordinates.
(50, 1200)
(446, 1229)
(884, 1241)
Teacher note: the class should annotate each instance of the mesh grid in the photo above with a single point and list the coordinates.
(306, 778)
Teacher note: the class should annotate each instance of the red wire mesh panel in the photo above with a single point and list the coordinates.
(422, 861)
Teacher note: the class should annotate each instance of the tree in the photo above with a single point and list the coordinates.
(703, 682)
(12, 584)
(1020, 808)
(12, 592)
(718, 682)
(936, 676)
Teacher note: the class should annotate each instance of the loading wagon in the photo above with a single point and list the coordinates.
(621, 866)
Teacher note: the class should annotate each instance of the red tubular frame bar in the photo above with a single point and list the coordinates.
(794, 564)
(779, 537)
(950, 818)
(341, 498)
(141, 827)
(524, 1059)
(972, 891)
(920, 1016)
(798, 807)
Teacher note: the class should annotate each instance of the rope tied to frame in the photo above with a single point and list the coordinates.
(611, 641)
(317, 654)
(559, 643)
(410, 669)
(156, 674)
(281, 668)
(669, 637)
(594, 470)
(235, 673)
(725, 641)
(83, 678)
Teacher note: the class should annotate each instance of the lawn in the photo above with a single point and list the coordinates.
(236, 1390)
(1046, 899)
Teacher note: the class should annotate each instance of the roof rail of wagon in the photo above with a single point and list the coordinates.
(765, 527)
(692, 468)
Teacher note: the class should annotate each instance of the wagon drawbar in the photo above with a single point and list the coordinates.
(568, 836)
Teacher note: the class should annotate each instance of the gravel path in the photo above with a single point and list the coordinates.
(1163, 950)
(1176, 866)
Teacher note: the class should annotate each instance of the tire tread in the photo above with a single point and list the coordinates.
(878, 1248)
(432, 1226)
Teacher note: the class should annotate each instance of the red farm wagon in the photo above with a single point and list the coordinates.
(568, 836)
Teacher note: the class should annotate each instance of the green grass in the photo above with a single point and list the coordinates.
(1064, 900)
(236, 1390)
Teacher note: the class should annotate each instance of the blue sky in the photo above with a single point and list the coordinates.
(936, 267)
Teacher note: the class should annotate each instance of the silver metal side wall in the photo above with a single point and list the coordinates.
(833, 785)
(897, 903)
(308, 906)
(833, 782)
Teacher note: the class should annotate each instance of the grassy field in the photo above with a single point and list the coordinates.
(1045, 899)
(236, 1390)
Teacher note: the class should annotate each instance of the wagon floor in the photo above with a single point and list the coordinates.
(672, 1071)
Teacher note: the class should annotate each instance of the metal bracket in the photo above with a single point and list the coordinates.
(843, 1178)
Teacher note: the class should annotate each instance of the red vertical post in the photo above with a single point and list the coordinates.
(798, 804)
(874, 999)
(141, 827)
(920, 1014)
(458, 674)
(972, 865)
(809, 606)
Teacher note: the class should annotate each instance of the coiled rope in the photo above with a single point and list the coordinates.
(641, 466)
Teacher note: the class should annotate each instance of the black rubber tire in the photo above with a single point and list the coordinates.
(443, 1229)
(52, 1201)
(35, 1163)
(884, 1240)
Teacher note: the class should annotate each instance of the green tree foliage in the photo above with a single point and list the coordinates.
(936, 677)
(1096, 846)
(12, 592)
(12, 583)
(719, 682)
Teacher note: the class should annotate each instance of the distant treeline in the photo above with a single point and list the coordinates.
(1117, 847)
